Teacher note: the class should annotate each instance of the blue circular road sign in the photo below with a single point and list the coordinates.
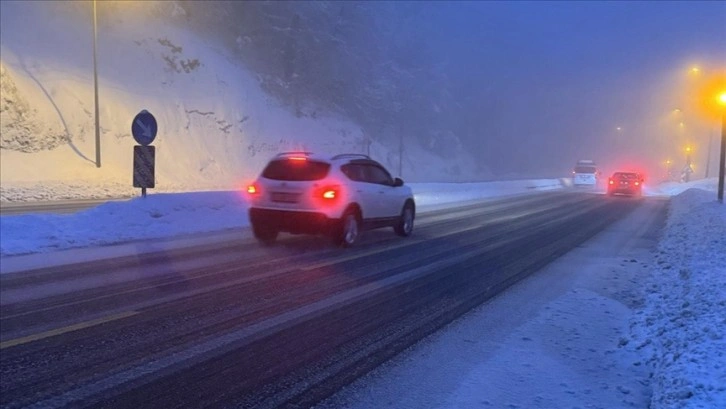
(144, 127)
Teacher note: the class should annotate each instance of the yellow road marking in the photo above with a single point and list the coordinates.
(70, 328)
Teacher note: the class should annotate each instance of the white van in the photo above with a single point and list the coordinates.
(585, 173)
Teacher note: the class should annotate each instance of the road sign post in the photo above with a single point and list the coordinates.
(144, 129)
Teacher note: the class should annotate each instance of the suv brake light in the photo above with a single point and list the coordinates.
(328, 193)
(253, 190)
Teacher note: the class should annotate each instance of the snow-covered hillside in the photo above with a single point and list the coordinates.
(216, 126)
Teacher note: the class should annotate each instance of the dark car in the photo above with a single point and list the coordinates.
(625, 183)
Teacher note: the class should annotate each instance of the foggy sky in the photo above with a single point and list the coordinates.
(553, 80)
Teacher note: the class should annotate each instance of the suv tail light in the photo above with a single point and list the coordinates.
(253, 189)
(612, 182)
(328, 194)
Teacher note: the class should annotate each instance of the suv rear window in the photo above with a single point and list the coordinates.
(296, 170)
(585, 169)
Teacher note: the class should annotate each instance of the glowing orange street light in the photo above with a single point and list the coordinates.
(708, 99)
(707, 96)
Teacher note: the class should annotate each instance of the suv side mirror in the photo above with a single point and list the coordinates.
(397, 182)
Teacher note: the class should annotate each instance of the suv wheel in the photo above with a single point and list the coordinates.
(404, 227)
(266, 236)
(348, 230)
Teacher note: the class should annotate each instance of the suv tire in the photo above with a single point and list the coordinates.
(348, 229)
(404, 227)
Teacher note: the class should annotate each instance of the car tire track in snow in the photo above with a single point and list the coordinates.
(225, 265)
(18, 319)
(557, 339)
(444, 295)
(165, 332)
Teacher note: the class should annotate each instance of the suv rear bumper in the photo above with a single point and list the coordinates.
(295, 222)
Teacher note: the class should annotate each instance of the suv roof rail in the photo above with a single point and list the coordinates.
(350, 155)
(294, 153)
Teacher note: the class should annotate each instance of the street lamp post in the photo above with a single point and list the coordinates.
(95, 92)
(722, 160)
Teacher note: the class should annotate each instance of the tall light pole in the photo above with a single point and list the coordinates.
(722, 160)
(708, 155)
(95, 92)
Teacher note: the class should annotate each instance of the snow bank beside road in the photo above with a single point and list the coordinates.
(683, 323)
(676, 188)
(157, 216)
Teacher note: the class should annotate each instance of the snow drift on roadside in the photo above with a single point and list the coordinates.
(676, 188)
(682, 326)
(157, 216)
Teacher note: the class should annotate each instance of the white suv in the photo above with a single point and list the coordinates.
(299, 192)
